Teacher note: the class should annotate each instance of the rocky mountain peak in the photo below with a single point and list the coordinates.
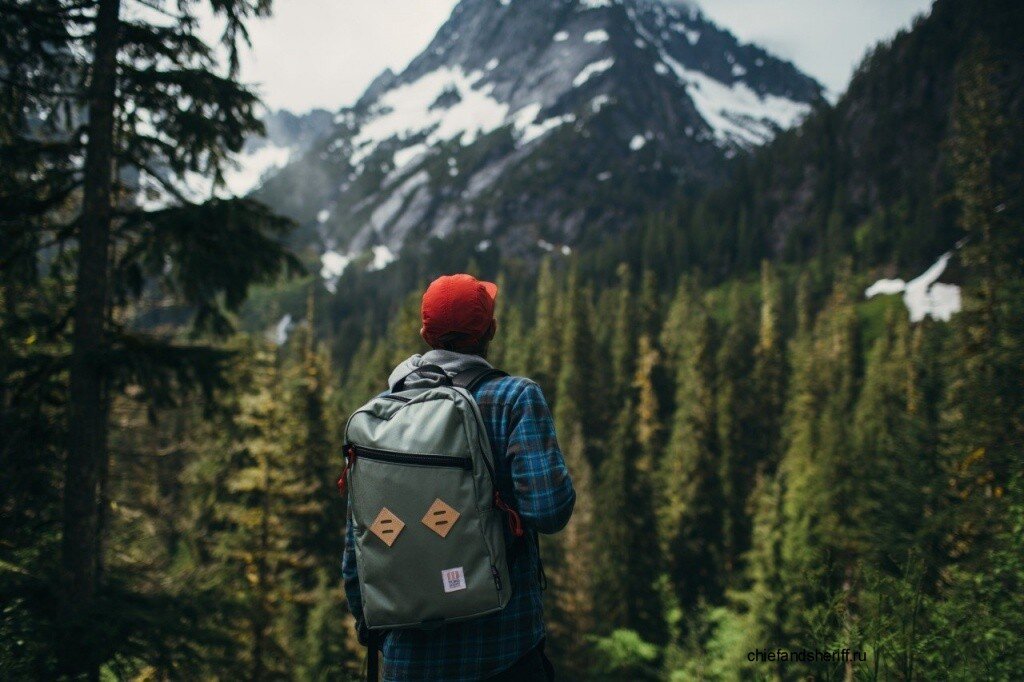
(535, 121)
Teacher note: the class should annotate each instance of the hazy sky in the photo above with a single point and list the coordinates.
(322, 53)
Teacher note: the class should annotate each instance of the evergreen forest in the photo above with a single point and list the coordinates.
(765, 459)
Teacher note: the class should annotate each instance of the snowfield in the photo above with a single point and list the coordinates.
(410, 110)
(924, 295)
(591, 70)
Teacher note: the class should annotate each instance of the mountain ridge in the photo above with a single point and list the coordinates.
(533, 121)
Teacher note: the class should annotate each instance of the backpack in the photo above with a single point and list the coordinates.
(426, 512)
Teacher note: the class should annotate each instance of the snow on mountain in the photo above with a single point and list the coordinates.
(287, 136)
(250, 167)
(514, 118)
(924, 295)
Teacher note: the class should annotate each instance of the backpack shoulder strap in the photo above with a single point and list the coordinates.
(469, 380)
(474, 376)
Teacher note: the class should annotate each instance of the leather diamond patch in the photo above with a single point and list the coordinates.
(387, 526)
(440, 517)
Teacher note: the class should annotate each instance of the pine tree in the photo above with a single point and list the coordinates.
(769, 374)
(118, 85)
(544, 360)
(816, 473)
(764, 598)
(644, 561)
(570, 557)
(573, 613)
(737, 409)
(985, 410)
(314, 513)
(688, 482)
(624, 338)
(894, 441)
(577, 388)
(628, 558)
(510, 349)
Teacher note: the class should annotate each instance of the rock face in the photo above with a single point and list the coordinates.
(537, 122)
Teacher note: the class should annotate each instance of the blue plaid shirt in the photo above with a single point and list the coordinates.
(529, 465)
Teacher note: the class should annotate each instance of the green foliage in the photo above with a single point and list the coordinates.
(768, 463)
(622, 655)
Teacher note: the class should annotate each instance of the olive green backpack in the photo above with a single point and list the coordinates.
(427, 518)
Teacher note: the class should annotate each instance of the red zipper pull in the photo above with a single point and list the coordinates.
(515, 523)
(349, 461)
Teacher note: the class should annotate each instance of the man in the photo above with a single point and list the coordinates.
(458, 324)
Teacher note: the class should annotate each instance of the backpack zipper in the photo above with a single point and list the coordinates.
(497, 577)
(413, 458)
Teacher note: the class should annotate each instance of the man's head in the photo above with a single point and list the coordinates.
(458, 314)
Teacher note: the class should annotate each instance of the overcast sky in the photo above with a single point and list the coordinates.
(322, 53)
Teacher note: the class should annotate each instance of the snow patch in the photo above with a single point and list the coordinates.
(492, 64)
(598, 103)
(591, 70)
(637, 143)
(323, 215)
(604, 176)
(332, 267)
(924, 295)
(535, 130)
(738, 70)
(404, 156)
(594, 4)
(281, 329)
(735, 112)
(483, 245)
(598, 36)
(333, 264)
(551, 248)
(529, 130)
(885, 287)
(249, 170)
(561, 36)
(660, 68)
(407, 111)
(382, 257)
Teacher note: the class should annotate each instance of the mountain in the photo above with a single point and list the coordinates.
(537, 124)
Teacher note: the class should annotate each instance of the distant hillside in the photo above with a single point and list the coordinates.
(868, 178)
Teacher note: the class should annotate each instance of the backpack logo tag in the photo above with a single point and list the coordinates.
(440, 517)
(453, 579)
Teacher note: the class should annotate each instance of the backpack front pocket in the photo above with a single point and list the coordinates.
(423, 553)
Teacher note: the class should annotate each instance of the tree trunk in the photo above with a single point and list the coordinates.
(87, 430)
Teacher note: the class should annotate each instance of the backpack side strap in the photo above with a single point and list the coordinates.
(474, 376)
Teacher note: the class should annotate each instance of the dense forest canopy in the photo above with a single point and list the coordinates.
(764, 458)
